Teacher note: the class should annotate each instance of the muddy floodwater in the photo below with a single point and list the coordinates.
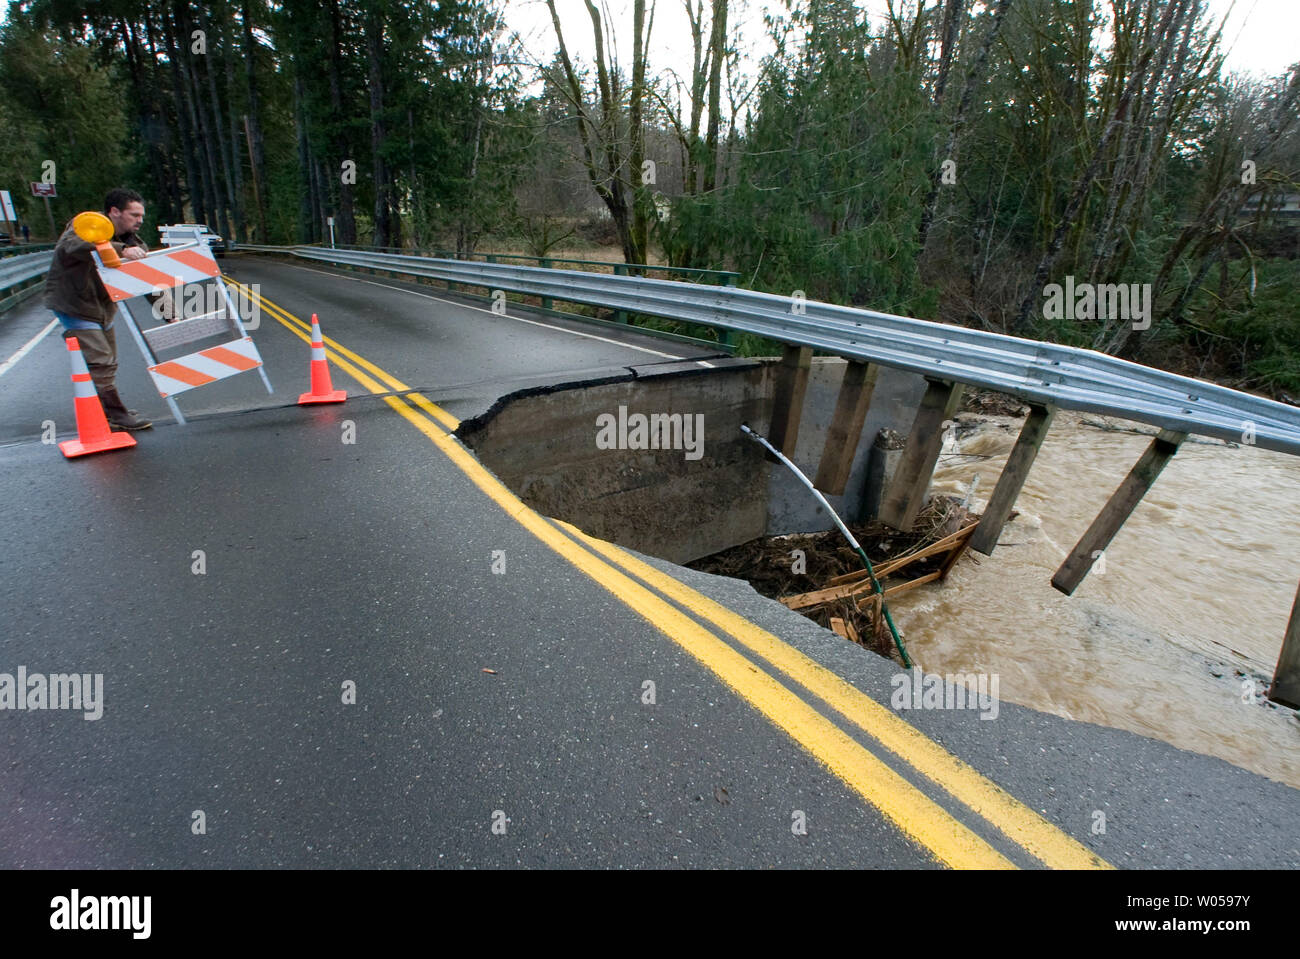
(1175, 637)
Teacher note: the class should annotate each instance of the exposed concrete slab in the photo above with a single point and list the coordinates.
(674, 367)
(542, 443)
(893, 405)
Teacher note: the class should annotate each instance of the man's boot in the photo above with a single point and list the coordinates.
(118, 416)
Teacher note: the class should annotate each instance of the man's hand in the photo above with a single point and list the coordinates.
(132, 253)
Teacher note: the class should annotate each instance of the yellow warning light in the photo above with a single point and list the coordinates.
(93, 227)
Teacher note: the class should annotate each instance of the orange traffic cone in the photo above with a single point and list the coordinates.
(93, 434)
(322, 390)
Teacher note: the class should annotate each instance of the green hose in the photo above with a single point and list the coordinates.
(889, 620)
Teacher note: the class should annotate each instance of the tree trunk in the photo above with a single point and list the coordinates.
(466, 236)
(202, 123)
(1133, 161)
(952, 14)
(144, 104)
(327, 188)
(641, 192)
(1086, 180)
(414, 186)
(306, 180)
(1222, 208)
(193, 172)
(374, 50)
(175, 201)
(699, 80)
(258, 148)
(718, 48)
(596, 150)
(346, 221)
(230, 199)
(198, 130)
(232, 116)
(1113, 260)
(954, 132)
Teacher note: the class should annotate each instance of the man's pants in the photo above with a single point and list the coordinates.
(99, 348)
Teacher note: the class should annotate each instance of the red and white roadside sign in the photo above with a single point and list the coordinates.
(43, 189)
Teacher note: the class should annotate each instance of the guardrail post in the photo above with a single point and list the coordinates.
(547, 303)
(620, 316)
(787, 404)
(727, 340)
(1012, 480)
(902, 501)
(1118, 509)
(445, 255)
(846, 426)
(1286, 678)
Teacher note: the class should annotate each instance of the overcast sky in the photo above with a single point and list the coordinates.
(1263, 36)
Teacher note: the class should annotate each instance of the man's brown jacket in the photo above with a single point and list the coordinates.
(72, 286)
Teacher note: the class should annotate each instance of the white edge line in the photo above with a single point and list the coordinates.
(559, 329)
(30, 345)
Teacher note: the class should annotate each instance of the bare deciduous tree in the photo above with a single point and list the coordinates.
(610, 130)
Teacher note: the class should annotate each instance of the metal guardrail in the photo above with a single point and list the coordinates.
(18, 249)
(723, 343)
(17, 270)
(1034, 371)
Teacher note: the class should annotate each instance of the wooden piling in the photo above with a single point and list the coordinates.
(902, 501)
(1118, 509)
(1012, 479)
(1286, 678)
(846, 427)
(787, 405)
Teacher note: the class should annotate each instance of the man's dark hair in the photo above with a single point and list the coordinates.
(120, 198)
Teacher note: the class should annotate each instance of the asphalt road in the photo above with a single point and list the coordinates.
(233, 580)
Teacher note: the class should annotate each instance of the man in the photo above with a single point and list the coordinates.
(74, 292)
(27, 234)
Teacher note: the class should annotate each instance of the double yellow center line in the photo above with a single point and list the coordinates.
(914, 813)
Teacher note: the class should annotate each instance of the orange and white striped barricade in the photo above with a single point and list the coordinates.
(170, 269)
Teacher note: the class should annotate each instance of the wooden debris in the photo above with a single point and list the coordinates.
(817, 564)
(844, 628)
(885, 568)
(855, 583)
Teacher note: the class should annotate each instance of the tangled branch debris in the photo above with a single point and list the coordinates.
(769, 564)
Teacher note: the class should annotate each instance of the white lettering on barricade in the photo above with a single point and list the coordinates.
(170, 269)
